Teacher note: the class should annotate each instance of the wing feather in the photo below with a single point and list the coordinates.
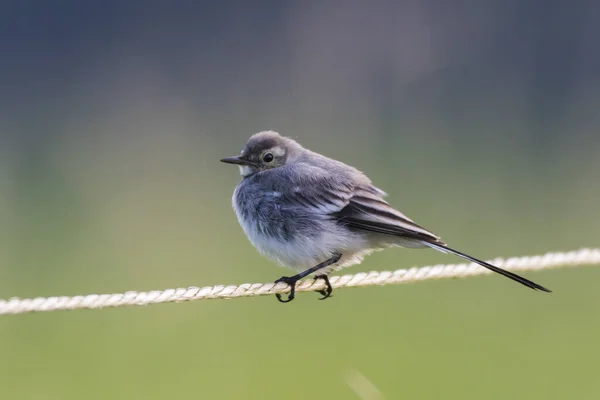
(351, 199)
(318, 190)
(372, 213)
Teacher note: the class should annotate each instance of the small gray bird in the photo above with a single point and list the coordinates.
(317, 215)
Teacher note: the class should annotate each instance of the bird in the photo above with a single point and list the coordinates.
(317, 215)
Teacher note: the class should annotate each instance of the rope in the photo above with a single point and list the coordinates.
(92, 301)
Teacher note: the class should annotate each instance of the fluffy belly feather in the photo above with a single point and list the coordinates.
(302, 250)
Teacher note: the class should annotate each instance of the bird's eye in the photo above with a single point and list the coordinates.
(268, 157)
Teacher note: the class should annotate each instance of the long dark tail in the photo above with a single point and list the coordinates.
(508, 274)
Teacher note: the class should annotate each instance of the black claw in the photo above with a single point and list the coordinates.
(279, 297)
(326, 293)
(290, 281)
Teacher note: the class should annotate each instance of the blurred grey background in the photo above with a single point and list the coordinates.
(480, 118)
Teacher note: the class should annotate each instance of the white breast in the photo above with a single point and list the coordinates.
(302, 252)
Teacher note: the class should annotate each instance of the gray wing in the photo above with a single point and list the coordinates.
(315, 190)
(368, 211)
(348, 196)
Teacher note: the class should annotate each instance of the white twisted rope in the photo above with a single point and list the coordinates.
(527, 263)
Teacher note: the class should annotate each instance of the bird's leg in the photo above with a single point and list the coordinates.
(328, 289)
(291, 280)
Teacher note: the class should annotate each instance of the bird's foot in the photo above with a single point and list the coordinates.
(326, 293)
(290, 281)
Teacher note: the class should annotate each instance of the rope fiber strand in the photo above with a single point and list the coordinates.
(93, 301)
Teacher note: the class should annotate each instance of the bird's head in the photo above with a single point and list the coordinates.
(263, 151)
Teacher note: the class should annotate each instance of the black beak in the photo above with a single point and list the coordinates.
(236, 160)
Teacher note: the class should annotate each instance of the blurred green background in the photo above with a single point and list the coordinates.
(479, 118)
